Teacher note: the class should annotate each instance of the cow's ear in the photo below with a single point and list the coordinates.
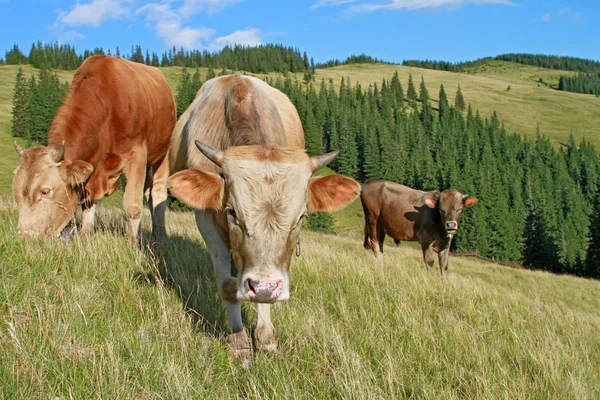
(75, 172)
(113, 165)
(331, 192)
(469, 201)
(198, 189)
(431, 199)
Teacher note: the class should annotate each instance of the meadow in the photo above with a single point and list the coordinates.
(93, 317)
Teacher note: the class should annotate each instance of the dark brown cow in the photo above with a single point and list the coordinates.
(117, 119)
(240, 151)
(430, 218)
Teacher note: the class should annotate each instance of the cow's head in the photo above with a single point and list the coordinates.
(45, 189)
(450, 204)
(265, 192)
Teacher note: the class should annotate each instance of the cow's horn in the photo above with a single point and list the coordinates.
(19, 149)
(211, 153)
(465, 196)
(317, 162)
(59, 153)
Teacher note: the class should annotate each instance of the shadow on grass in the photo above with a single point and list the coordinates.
(183, 266)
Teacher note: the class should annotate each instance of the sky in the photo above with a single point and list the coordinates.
(391, 30)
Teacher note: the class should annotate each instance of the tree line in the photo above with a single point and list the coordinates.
(257, 59)
(35, 102)
(587, 83)
(538, 205)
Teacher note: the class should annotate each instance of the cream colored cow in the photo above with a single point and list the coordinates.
(249, 180)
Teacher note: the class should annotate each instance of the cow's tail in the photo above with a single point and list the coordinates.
(239, 105)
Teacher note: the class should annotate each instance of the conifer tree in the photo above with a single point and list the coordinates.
(411, 92)
(423, 93)
(539, 249)
(592, 259)
(459, 101)
(347, 161)
(182, 99)
(444, 106)
(19, 109)
(211, 73)
(397, 90)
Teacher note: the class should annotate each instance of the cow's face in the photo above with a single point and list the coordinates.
(265, 193)
(44, 186)
(450, 204)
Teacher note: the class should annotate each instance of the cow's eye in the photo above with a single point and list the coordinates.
(45, 192)
(232, 216)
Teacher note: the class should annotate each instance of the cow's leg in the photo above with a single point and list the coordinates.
(135, 172)
(372, 234)
(428, 255)
(443, 260)
(396, 242)
(88, 217)
(148, 190)
(159, 201)
(380, 237)
(226, 284)
(264, 334)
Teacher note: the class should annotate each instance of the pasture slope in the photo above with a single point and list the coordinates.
(90, 318)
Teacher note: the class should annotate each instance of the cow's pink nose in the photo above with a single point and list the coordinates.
(263, 290)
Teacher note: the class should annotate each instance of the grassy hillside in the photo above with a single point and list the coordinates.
(90, 319)
(521, 109)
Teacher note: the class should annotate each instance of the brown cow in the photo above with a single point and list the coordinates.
(250, 185)
(430, 218)
(117, 119)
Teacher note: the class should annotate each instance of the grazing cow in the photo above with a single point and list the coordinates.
(430, 218)
(249, 181)
(117, 119)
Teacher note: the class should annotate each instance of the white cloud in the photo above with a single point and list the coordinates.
(245, 37)
(191, 7)
(564, 14)
(94, 13)
(169, 25)
(329, 3)
(69, 36)
(412, 5)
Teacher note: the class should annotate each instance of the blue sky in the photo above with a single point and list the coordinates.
(392, 30)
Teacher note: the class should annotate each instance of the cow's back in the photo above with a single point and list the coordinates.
(401, 210)
(234, 110)
(115, 106)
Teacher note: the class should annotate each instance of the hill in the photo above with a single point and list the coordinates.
(90, 319)
(528, 103)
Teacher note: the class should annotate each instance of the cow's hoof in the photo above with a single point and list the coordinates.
(239, 348)
(264, 338)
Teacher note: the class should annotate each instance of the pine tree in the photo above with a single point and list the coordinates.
(211, 73)
(444, 106)
(313, 135)
(539, 250)
(592, 259)
(182, 99)
(423, 93)
(459, 101)
(347, 161)
(19, 109)
(411, 92)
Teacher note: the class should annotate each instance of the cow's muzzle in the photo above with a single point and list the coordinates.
(264, 290)
(451, 227)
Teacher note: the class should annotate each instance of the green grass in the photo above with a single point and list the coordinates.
(89, 319)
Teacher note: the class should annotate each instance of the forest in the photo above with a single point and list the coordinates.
(538, 204)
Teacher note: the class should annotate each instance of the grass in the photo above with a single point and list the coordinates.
(90, 319)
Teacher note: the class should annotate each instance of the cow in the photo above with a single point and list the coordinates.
(117, 119)
(240, 163)
(430, 218)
